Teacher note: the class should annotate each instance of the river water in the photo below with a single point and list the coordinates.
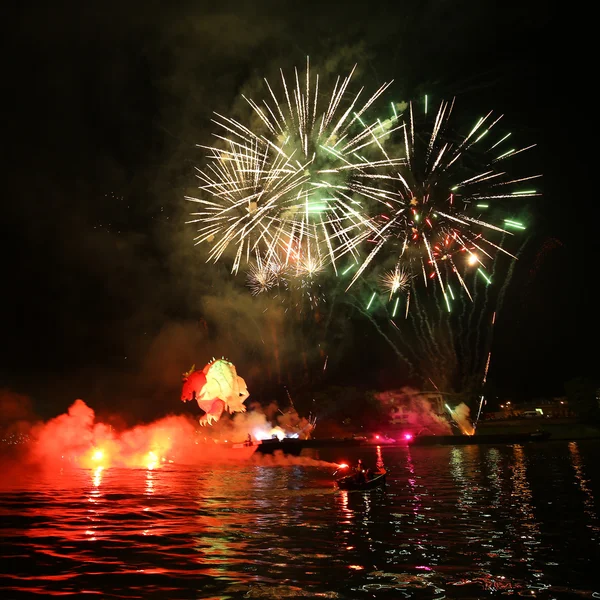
(453, 522)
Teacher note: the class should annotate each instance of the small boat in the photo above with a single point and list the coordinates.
(350, 482)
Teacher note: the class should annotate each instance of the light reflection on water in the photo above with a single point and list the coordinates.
(453, 522)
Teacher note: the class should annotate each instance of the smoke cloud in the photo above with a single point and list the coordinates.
(425, 412)
(78, 438)
(414, 408)
(461, 414)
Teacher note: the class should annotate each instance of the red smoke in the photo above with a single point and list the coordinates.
(76, 438)
(425, 412)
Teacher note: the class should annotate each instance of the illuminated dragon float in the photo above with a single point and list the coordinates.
(215, 388)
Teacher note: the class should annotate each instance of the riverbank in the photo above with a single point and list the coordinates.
(559, 429)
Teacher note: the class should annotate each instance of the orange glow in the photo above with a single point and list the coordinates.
(152, 460)
(473, 259)
(76, 439)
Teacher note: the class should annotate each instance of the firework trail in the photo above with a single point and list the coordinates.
(497, 309)
(451, 349)
(394, 347)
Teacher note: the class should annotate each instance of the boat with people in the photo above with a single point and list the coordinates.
(363, 479)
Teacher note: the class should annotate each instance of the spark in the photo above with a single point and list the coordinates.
(263, 276)
(310, 266)
(483, 274)
(513, 224)
(371, 300)
(396, 280)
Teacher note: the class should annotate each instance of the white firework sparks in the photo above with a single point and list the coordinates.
(298, 179)
(317, 178)
(397, 280)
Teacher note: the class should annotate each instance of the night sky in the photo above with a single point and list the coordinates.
(104, 296)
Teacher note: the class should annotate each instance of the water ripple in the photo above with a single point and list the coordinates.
(453, 522)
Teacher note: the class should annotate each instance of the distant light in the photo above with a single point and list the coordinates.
(473, 259)
(408, 436)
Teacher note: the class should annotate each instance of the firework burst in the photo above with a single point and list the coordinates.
(314, 178)
(304, 173)
(261, 278)
(297, 285)
(431, 215)
(395, 281)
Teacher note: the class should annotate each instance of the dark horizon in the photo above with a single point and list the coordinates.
(106, 298)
